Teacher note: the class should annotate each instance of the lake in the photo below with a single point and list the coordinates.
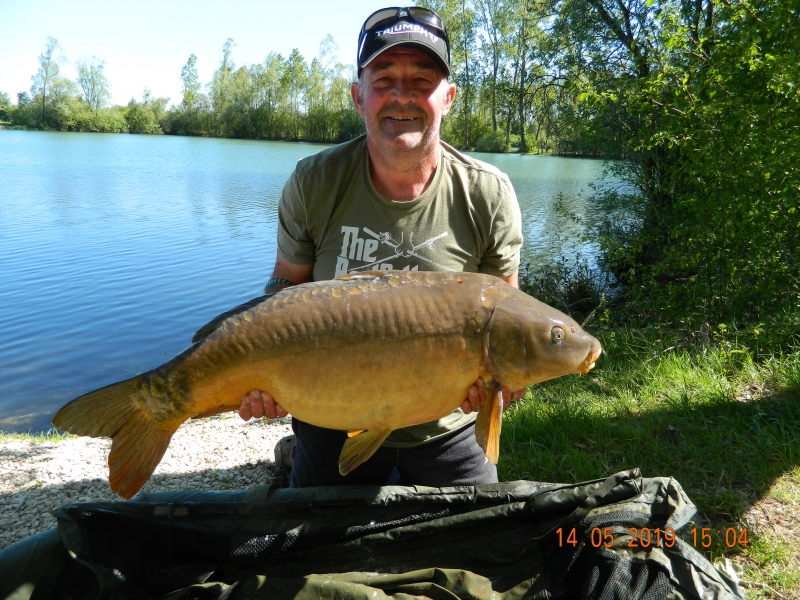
(115, 249)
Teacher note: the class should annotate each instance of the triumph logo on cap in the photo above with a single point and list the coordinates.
(408, 28)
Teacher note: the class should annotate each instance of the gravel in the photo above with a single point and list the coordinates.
(217, 453)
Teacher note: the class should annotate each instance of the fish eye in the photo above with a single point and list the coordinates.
(557, 334)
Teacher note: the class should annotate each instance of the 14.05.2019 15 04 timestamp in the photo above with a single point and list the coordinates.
(701, 537)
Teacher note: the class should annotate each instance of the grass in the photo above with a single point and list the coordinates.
(720, 417)
(53, 435)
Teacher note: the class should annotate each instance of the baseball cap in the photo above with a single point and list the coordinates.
(411, 25)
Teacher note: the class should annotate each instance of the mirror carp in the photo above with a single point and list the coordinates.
(367, 353)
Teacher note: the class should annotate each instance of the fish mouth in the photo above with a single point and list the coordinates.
(588, 364)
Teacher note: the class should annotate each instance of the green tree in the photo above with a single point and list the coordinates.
(47, 76)
(703, 101)
(269, 95)
(494, 15)
(320, 91)
(220, 87)
(6, 108)
(191, 83)
(147, 116)
(295, 80)
(460, 128)
(93, 83)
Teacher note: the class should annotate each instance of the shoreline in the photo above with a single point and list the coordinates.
(513, 151)
(216, 453)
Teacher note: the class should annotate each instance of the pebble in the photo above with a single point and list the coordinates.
(218, 453)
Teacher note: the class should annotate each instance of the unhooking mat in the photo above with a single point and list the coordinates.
(507, 541)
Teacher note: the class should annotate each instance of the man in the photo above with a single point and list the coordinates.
(397, 198)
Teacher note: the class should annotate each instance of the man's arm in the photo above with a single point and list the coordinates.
(258, 403)
(512, 280)
(297, 274)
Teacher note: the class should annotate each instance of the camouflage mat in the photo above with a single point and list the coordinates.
(506, 541)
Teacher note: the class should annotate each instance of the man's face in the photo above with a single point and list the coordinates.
(403, 97)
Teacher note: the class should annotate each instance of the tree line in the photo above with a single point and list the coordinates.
(283, 98)
(288, 98)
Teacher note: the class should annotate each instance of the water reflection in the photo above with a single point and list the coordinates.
(539, 182)
(115, 248)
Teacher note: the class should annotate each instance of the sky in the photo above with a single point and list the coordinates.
(145, 43)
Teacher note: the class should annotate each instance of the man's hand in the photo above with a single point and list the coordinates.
(257, 404)
(476, 396)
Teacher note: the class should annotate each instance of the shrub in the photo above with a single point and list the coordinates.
(493, 142)
(141, 119)
(568, 284)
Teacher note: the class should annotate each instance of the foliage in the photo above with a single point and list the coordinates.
(502, 60)
(93, 83)
(703, 101)
(191, 83)
(147, 116)
(6, 108)
(49, 77)
(281, 98)
(494, 141)
(570, 285)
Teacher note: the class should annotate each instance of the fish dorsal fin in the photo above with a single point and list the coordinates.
(212, 325)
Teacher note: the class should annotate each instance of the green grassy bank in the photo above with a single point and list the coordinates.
(720, 415)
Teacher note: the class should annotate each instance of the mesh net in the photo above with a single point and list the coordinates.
(502, 542)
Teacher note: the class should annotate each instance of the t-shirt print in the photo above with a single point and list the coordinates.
(366, 250)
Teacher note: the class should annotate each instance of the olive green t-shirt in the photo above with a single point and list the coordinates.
(331, 216)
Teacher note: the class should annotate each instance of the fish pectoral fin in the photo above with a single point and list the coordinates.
(217, 410)
(489, 423)
(358, 448)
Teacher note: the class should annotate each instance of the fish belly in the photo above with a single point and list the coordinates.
(381, 384)
(377, 384)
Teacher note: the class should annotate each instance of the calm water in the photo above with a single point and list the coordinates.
(115, 249)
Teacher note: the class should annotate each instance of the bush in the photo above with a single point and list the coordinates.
(568, 284)
(710, 126)
(6, 108)
(493, 142)
(27, 113)
(141, 119)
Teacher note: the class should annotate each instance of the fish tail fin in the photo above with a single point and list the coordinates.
(489, 423)
(137, 444)
(358, 448)
(135, 453)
